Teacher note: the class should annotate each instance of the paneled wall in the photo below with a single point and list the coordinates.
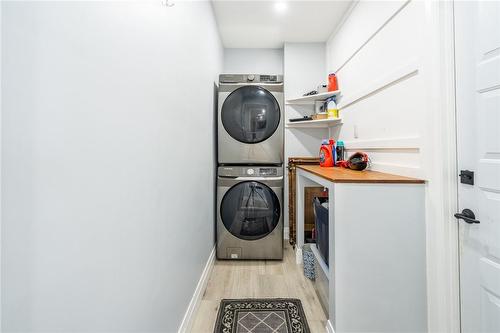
(394, 61)
(376, 55)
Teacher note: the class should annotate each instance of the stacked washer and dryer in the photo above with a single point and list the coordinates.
(250, 172)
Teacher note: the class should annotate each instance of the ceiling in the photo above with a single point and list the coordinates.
(270, 23)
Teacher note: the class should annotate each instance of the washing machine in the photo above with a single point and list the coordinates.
(250, 119)
(249, 218)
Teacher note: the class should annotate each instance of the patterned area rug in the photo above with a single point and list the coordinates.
(274, 315)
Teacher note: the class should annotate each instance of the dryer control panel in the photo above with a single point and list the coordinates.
(250, 78)
(250, 171)
(268, 171)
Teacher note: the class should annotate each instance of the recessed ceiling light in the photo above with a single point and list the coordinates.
(280, 6)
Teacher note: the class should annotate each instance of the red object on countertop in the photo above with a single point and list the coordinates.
(332, 82)
(358, 161)
(327, 153)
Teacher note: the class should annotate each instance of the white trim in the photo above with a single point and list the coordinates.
(343, 19)
(406, 143)
(397, 169)
(329, 327)
(339, 26)
(402, 73)
(187, 321)
(1, 273)
(305, 179)
(443, 300)
(451, 188)
(286, 233)
(372, 35)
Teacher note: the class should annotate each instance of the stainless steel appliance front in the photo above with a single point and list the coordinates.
(250, 119)
(249, 217)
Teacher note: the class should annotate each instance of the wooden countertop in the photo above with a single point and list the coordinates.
(342, 175)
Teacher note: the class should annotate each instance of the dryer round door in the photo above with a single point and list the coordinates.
(250, 210)
(250, 114)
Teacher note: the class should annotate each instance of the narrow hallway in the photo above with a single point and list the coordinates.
(259, 279)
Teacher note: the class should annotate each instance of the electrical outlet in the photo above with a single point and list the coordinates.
(167, 4)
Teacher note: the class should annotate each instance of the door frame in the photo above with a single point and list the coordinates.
(443, 278)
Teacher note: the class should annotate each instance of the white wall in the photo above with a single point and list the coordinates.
(387, 57)
(0, 163)
(257, 61)
(378, 75)
(108, 168)
(304, 70)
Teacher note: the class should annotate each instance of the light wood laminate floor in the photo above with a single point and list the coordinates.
(258, 279)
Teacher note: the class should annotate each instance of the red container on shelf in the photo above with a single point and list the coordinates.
(332, 82)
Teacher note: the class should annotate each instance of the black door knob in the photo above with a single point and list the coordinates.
(468, 216)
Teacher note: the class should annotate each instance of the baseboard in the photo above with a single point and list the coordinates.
(329, 327)
(188, 319)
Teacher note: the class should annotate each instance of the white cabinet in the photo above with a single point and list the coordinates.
(377, 272)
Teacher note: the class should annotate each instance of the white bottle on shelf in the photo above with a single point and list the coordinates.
(333, 111)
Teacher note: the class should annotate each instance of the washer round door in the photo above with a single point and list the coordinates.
(250, 114)
(250, 210)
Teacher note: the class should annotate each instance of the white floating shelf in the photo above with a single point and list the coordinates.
(306, 100)
(320, 123)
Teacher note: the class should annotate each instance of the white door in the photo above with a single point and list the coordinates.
(477, 55)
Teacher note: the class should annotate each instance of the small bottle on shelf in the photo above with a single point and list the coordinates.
(332, 82)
